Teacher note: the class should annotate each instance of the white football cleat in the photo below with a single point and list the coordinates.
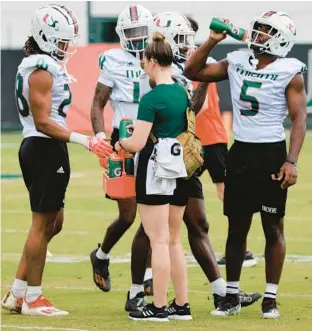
(41, 307)
(229, 305)
(11, 303)
(269, 309)
(272, 314)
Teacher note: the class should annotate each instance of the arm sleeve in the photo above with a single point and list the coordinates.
(146, 110)
(106, 76)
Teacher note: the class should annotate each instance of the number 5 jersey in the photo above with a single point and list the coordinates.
(61, 95)
(259, 96)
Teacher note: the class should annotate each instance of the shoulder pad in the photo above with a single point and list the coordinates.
(296, 66)
(237, 56)
(113, 57)
(42, 61)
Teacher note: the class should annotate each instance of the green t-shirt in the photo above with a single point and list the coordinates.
(165, 106)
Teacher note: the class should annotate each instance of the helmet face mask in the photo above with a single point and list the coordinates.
(272, 34)
(55, 29)
(178, 32)
(136, 38)
(183, 43)
(132, 28)
(260, 36)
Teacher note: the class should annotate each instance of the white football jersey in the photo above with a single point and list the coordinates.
(121, 71)
(258, 96)
(61, 94)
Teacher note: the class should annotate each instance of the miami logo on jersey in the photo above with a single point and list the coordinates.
(247, 73)
(133, 73)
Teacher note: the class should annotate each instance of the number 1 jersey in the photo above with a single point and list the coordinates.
(258, 96)
(121, 71)
(60, 93)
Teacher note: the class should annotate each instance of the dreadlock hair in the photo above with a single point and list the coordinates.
(31, 47)
(194, 24)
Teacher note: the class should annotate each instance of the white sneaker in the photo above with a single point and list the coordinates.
(41, 307)
(229, 305)
(11, 303)
(269, 309)
(273, 314)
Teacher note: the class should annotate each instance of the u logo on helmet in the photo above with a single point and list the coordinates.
(292, 28)
(49, 21)
(162, 25)
(269, 13)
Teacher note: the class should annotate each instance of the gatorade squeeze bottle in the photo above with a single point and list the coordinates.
(114, 166)
(129, 164)
(125, 132)
(235, 32)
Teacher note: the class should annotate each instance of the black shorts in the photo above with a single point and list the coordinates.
(180, 195)
(114, 137)
(214, 162)
(46, 171)
(194, 187)
(249, 187)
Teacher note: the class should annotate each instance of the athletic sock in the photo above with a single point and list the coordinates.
(218, 287)
(270, 291)
(148, 274)
(19, 288)
(101, 255)
(33, 293)
(232, 287)
(135, 289)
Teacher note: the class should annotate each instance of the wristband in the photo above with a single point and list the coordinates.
(101, 135)
(78, 138)
(291, 162)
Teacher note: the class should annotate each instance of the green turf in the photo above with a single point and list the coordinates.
(87, 215)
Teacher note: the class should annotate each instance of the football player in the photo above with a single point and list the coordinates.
(265, 87)
(119, 82)
(42, 97)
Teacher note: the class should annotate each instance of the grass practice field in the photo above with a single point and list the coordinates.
(68, 280)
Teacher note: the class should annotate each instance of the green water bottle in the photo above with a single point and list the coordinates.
(129, 164)
(114, 166)
(125, 132)
(233, 31)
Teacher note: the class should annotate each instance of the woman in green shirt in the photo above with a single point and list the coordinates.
(162, 111)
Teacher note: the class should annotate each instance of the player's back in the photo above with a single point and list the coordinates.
(258, 96)
(60, 93)
(121, 71)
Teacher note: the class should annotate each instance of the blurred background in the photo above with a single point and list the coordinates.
(97, 21)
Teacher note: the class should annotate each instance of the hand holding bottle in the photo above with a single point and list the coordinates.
(220, 27)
